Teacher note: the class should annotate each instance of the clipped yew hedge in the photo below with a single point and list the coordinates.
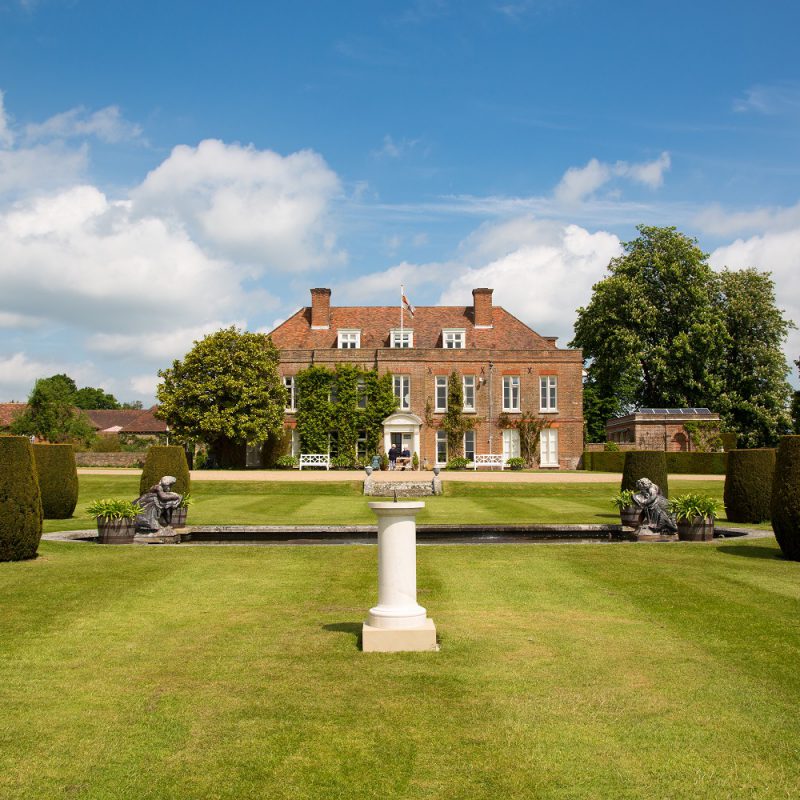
(650, 464)
(58, 479)
(20, 500)
(677, 463)
(165, 459)
(786, 497)
(748, 485)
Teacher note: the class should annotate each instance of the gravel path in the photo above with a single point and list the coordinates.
(468, 476)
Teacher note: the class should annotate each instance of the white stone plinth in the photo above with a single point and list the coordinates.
(398, 622)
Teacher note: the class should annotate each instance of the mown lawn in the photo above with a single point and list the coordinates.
(577, 671)
(253, 503)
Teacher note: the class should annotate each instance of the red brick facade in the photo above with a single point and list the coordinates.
(496, 346)
(657, 429)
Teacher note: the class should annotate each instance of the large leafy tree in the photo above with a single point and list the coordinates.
(226, 392)
(664, 330)
(88, 398)
(652, 332)
(755, 399)
(51, 413)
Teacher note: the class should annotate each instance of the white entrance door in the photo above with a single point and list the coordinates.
(548, 447)
(510, 444)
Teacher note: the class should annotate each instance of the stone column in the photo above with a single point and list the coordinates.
(398, 623)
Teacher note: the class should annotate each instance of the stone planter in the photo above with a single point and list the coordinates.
(115, 531)
(697, 529)
(179, 517)
(631, 516)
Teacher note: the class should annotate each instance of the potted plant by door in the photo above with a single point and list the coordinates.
(629, 513)
(116, 520)
(179, 513)
(694, 514)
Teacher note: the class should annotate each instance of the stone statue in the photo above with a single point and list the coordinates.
(656, 516)
(157, 504)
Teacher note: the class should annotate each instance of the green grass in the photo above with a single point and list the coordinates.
(579, 671)
(253, 503)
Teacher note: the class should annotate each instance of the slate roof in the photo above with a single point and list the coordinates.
(123, 420)
(376, 322)
(9, 412)
(103, 419)
(146, 422)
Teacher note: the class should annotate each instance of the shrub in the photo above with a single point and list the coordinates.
(696, 463)
(728, 440)
(287, 462)
(107, 443)
(20, 500)
(165, 460)
(113, 509)
(414, 460)
(515, 463)
(58, 479)
(611, 447)
(748, 484)
(457, 463)
(650, 464)
(688, 506)
(343, 462)
(786, 497)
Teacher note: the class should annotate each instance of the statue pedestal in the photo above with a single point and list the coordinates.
(398, 623)
(167, 535)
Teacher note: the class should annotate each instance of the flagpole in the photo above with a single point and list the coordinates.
(402, 295)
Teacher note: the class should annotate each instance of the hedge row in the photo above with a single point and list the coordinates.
(58, 479)
(748, 485)
(785, 505)
(677, 463)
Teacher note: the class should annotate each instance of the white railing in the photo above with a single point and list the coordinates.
(315, 460)
(489, 460)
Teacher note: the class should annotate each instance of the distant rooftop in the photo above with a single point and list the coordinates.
(687, 411)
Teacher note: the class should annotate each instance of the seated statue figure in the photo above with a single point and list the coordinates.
(157, 504)
(655, 506)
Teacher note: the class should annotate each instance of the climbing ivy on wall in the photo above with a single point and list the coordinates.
(529, 425)
(342, 402)
(455, 421)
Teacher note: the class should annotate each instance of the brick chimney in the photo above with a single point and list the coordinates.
(482, 307)
(320, 309)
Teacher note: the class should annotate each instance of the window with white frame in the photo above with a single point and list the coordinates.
(288, 382)
(404, 338)
(453, 338)
(441, 393)
(469, 392)
(469, 445)
(548, 393)
(511, 393)
(402, 391)
(548, 448)
(361, 393)
(349, 339)
(295, 442)
(441, 447)
(510, 443)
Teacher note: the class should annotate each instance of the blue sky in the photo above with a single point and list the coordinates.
(168, 168)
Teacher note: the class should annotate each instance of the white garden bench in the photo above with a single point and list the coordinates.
(315, 460)
(489, 460)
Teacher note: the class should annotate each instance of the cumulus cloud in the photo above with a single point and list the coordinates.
(18, 373)
(41, 168)
(247, 204)
(577, 183)
(107, 125)
(716, 220)
(6, 136)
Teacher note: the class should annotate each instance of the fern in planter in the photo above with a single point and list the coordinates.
(695, 514)
(623, 500)
(113, 509)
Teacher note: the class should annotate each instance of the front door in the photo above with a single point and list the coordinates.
(403, 441)
(510, 443)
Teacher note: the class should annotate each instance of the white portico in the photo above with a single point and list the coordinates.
(402, 429)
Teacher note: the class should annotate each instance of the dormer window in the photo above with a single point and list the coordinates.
(404, 338)
(453, 338)
(349, 339)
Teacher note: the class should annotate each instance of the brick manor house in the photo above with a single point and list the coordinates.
(505, 367)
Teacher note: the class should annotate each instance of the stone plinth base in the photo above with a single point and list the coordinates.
(401, 640)
(164, 536)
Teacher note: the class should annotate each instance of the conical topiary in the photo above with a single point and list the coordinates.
(748, 484)
(58, 479)
(786, 497)
(164, 460)
(20, 500)
(650, 464)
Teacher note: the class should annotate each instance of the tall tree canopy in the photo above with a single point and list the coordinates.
(663, 329)
(52, 415)
(88, 397)
(226, 391)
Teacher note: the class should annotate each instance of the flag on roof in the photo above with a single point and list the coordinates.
(406, 304)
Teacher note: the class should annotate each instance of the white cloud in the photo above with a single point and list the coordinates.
(777, 252)
(6, 136)
(780, 98)
(716, 220)
(251, 205)
(557, 264)
(393, 148)
(145, 384)
(12, 320)
(41, 168)
(18, 373)
(577, 183)
(107, 125)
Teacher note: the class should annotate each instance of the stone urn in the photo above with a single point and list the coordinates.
(179, 517)
(696, 529)
(631, 516)
(115, 531)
